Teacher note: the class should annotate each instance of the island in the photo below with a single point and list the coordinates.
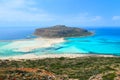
(59, 31)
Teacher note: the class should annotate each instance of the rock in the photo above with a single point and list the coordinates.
(61, 31)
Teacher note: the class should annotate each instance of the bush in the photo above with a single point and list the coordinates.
(109, 76)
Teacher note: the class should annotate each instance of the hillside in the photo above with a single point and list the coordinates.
(61, 31)
(85, 68)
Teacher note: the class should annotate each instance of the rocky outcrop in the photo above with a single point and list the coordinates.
(61, 31)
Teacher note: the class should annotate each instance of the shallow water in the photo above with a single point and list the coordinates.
(105, 41)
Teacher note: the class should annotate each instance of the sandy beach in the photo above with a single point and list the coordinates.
(35, 57)
(31, 44)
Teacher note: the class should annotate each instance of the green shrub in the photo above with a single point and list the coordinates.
(109, 76)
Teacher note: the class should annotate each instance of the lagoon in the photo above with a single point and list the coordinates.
(105, 41)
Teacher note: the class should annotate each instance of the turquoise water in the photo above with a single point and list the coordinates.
(104, 41)
(4, 52)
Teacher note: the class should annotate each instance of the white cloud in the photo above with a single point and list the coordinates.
(26, 11)
(21, 10)
(116, 18)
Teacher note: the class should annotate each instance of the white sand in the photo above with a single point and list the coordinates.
(31, 44)
(34, 57)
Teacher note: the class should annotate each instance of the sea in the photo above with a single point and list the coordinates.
(105, 41)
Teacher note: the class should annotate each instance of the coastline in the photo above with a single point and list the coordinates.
(28, 45)
(36, 57)
(43, 42)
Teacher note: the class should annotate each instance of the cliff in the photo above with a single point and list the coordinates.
(61, 31)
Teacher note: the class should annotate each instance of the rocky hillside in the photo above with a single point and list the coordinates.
(83, 68)
(61, 31)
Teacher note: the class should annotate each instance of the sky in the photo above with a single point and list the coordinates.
(54, 12)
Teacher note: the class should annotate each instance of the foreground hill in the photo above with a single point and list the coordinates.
(84, 68)
(61, 31)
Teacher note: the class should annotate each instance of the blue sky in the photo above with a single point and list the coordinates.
(52, 12)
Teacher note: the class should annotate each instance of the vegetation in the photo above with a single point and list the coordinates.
(61, 31)
(109, 76)
(85, 68)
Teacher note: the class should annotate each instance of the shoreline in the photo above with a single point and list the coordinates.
(28, 45)
(43, 42)
(36, 57)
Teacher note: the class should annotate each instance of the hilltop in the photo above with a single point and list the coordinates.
(61, 31)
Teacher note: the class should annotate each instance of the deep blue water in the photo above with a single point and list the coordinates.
(104, 41)
(13, 33)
